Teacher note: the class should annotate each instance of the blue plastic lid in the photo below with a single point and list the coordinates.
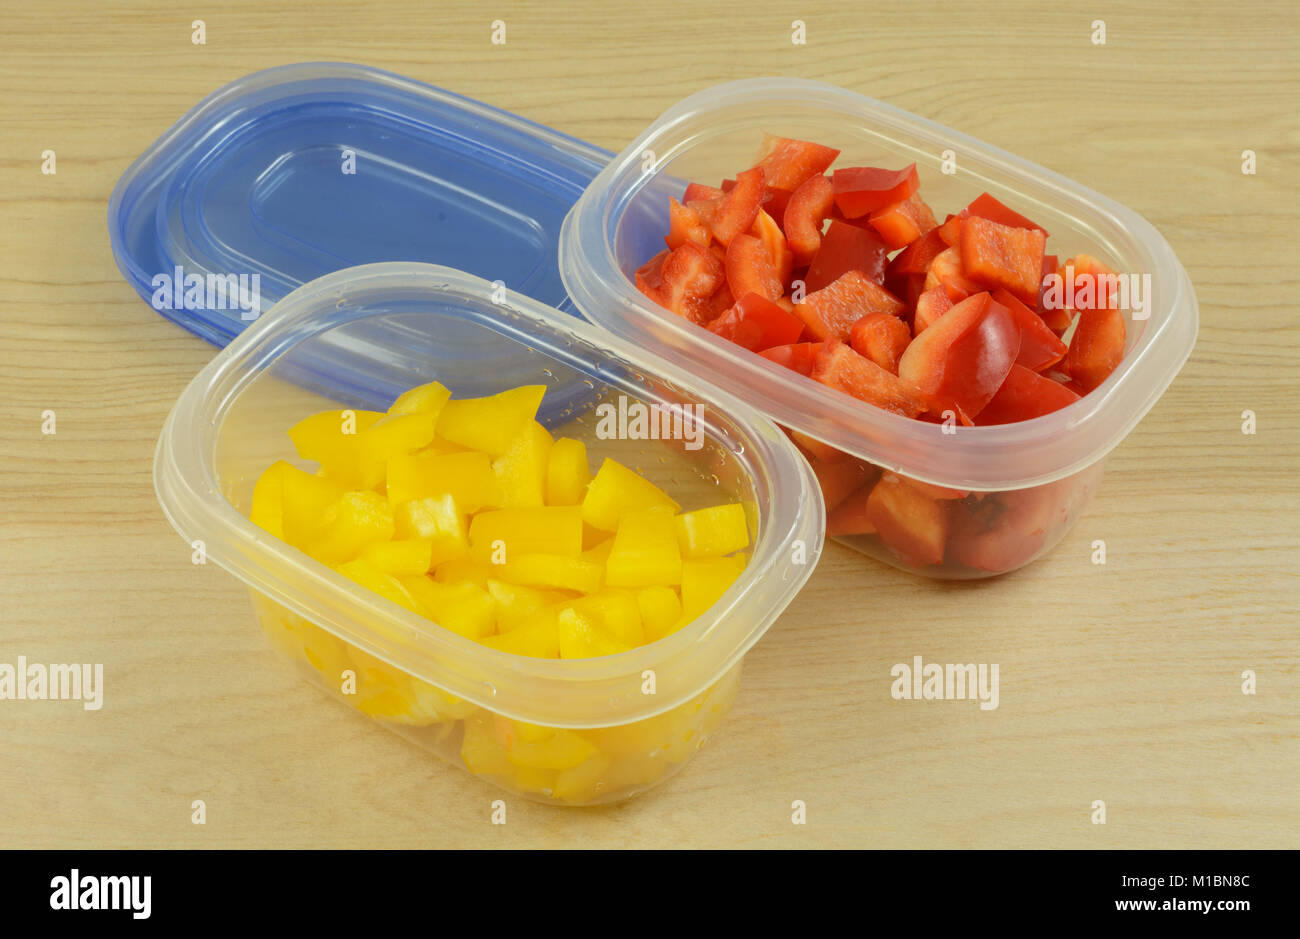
(298, 171)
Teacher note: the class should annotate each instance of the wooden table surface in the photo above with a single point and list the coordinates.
(1120, 683)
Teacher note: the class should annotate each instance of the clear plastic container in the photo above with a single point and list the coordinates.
(565, 731)
(1027, 482)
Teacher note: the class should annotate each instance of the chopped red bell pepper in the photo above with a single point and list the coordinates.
(838, 366)
(789, 163)
(766, 228)
(916, 257)
(757, 323)
(838, 480)
(910, 523)
(849, 516)
(946, 272)
(735, 212)
(691, 275)
(1040, 348)
(1023, 396)
(830, 313)
(815, 449)
(961, 359)
(929, 307)
(903, 222)
(882, 338)
(684, 224)
(1000, 256)
(950, 230)
(750, 270)
(1096, 347)
(987, 207)
(807, 210)
(863, 189)
(798, 356)
(650, 276)
(845, 248)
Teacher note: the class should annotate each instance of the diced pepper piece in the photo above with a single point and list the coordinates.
(705, 580)
(538, 636)
(403, 558)
(1007, 529)
(698, 192)
(376, 581)
(691, 275)
(333, 439)
(1001, 256)
(768, 231)
(1096, 347)
(950, 230)
(615, 611)
(862, 189)
(757, 323)
(304, 500)
(846, 247)
(929, 307)
(428, 398)
(490, 424)
(582, 638)
(849, 516)
(838, 366)
(882, 338)
(564, 749)
(685, 225)
(838, 480)
(961, 359)
(535, 530)
(787, 163)
(467, 476)
(830, 313)
(735, 212)
(816, 449)
(902, 222)
(567, 472)
(482, 754)
(750, 270)
(1039, 346)
(916, 257)
(518, 605)
(267, 508)
(645, 551)
(987, 207)
(463, 570)
(712, 532)
(582, 783)
(552, 571)
(650, 277)
(807, 209)
(946, 272)
(521, 471)
(464, 608)
(1023, 396)
(798, 356)
(348, 525)
(617, 490)
(911, 524)
(661, 611)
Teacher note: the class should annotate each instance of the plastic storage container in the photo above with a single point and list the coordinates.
(1028, 482)
(592, 734)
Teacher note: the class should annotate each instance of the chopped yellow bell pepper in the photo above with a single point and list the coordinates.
(267, 509)
(552, 571)
(387, 586)
(645, 551)
(517, 604)
(617, 490)
(304, 499)
(403, 558)
(661, 611)
(567, 472)
(480, 750)
(536, 635)
(463, 608)
(616, 612)
(438, 521)
(490, 424)
(333, 439)
(712, 532)
(521, 471)
(348, 525)
(501, 534)
(463, 571)
(466, 476)
(582, 638)
(561, 749)
(429, 398)
(704, 581)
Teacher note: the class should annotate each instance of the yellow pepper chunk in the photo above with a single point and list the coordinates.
(712, 532)
(267, 509)
(333, 439)
(463, 608)
(466, 476)
(521, 471)
(661, 611)
(463, 571)
(645, 551)
(617, 490)
(581, 783)
(403, 558)
(561, 749)
(582, 638)
(490, 424)
(552, 571)
(387, 586)
(615, 611)
(705, 580)
(438, 521)
(567, 472)
(517, 604)
(499, 535)
(429, 398)
(304, 499)
(537, 636)
(481, 751)
(348, 525)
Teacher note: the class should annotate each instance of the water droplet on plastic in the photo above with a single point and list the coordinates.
(490, 688)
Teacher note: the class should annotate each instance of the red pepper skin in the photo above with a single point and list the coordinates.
(863, 189)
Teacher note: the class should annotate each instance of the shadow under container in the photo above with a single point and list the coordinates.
(566, 731)
(1001, 496)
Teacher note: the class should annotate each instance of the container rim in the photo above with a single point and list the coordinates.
(558, 693)
(1008, 456)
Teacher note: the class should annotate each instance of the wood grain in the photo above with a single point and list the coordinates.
(1119, 683)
